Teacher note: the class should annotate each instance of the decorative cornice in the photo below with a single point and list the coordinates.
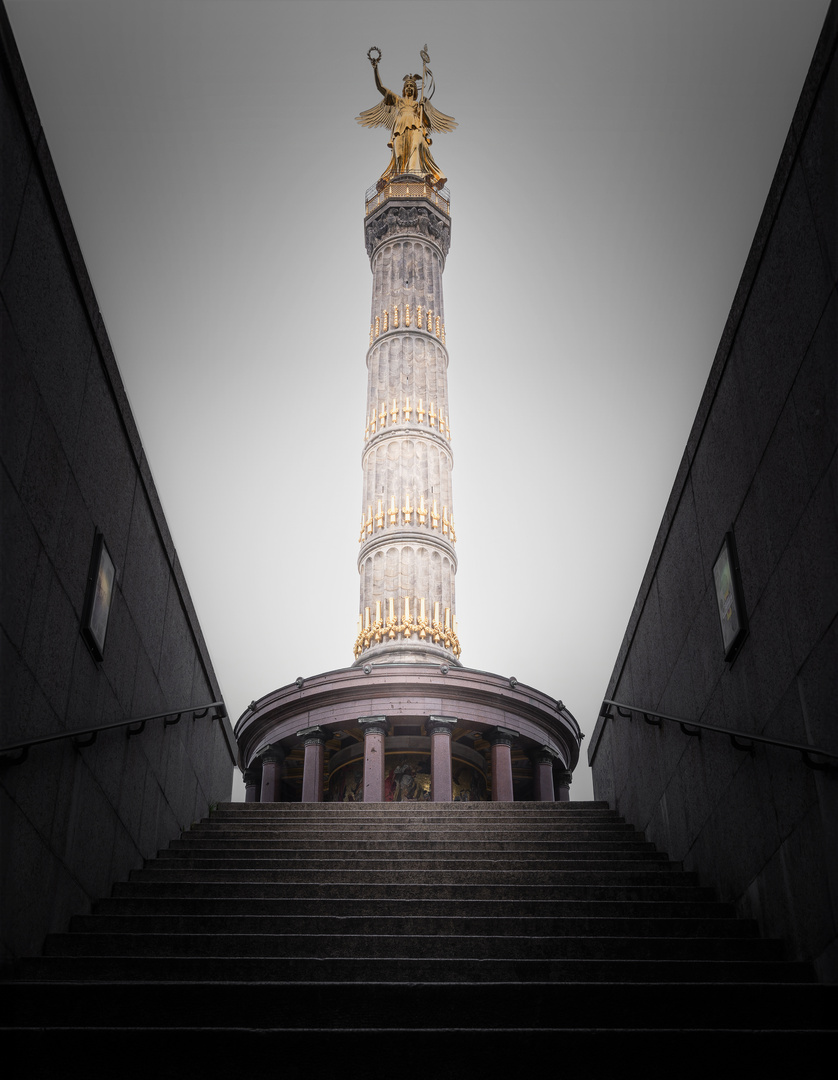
(480, 700)
(399, 414)
(430, 436)
(399, 317)
(429, 524)
(407, 536)
(401, 623)
(394, 219)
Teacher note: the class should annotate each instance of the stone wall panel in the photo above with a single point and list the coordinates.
(816, 386)
(43, 303)
(761, 828)
(770, 345)
(76, 819)
(808, 570)
(18, 401)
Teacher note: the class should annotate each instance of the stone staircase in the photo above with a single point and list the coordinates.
(437, 938)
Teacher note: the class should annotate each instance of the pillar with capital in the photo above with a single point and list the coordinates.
(564, 780)
(501, 740)
(252, 783)
(543, 760)
(314, 741)
(272, 758)
(375, 730)
(439, 729)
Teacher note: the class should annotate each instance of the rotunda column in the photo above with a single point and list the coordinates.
(271, 758)
(439, 729)
(252, 778)
(564, 778)
(375, 729)
(314, 740)
(543, 760)
(501, 740)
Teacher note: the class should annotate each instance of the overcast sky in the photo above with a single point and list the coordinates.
(609, 169)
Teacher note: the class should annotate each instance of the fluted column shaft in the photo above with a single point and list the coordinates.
(407, 559)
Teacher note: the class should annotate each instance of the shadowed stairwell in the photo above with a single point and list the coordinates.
(293, 934)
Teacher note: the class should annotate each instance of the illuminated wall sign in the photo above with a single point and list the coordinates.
(729, 600)
(98, 598)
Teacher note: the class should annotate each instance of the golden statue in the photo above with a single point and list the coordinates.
(410, 117)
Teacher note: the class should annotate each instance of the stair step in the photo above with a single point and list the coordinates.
(446, 834)
(480, 808)
(424, 925)
(409, 946)
(354, 970)
(673, 888)
(433, 841)
(533, 1005)
(629, 874)
(171, 1054)
(268, 930)
(315, 906)
(266, 860)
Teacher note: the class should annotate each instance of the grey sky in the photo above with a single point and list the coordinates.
(607, 177)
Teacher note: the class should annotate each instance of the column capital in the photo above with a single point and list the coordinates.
(437, 724)
(271, 754)
(313, 736)
(545, 755)
(251, 775)
(396, 219)
(501, 736)
(379, 725)
(565, 779)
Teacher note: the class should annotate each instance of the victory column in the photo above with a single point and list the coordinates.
(407, 721)
(407, 560)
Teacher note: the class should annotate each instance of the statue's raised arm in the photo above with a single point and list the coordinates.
(410, 118)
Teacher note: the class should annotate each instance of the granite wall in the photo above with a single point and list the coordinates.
(74, 819)
(761, 459)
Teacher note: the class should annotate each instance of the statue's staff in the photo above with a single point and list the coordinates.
(427, 75)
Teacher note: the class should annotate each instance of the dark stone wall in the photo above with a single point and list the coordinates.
(761, 458)
(74, 820)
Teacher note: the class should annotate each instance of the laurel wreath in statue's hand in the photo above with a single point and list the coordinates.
(373, 59)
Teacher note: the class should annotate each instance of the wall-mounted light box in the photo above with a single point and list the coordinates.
(729, 598)
(98, 598)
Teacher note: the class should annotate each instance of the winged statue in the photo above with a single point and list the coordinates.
(411, 118)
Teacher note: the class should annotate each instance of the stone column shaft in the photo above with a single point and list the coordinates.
(501, 740)
(375, 730)
(543, 762)
(564, 779)
(252, 783)
(271, 775)
(313, 741)
(440, 728)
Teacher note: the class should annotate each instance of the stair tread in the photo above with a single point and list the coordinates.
(287, 905)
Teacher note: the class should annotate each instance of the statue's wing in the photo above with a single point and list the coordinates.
(437, 121)
(380, 115)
